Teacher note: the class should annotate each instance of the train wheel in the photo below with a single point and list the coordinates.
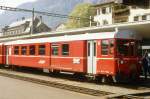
(55, 72)
(79, 76)
(133, 77)
(104, 79)
(116, 78)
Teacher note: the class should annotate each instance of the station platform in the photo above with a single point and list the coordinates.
(116, 90)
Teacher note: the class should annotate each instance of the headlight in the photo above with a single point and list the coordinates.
(121, 62)
(140, 62)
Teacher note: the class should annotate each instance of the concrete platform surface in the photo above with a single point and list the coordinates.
(17, 89)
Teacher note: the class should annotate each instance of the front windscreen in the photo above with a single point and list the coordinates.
(127, 47)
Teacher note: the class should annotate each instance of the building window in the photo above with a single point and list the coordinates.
(42, 50)
(16, 50)
(136, 18)
(105, 45)
(105, 22)
(144, 17)
(54, 49)
(104, 10)
(65, 49)
(110, 9)
(32, 50)
(24, 50)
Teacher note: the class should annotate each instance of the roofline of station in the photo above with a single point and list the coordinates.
(94, 29)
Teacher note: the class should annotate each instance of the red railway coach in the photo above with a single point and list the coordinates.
(2, 54)
(111, 54)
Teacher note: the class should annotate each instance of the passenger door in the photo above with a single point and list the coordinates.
(8, 52)
(91, 54)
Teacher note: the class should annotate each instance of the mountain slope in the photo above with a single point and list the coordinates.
(53, 6)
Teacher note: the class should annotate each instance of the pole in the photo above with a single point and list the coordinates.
(32, 28)
(90, 21)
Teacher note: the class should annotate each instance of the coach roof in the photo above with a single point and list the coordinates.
(86, 36)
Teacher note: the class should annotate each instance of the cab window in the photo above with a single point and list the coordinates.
(123, 47)
(111, 47)
(104, 47)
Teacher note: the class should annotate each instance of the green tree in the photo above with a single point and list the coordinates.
(83, 11)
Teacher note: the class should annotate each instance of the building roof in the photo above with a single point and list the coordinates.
(107, 2)
(104, 2)
(86, 36)
(18, 23)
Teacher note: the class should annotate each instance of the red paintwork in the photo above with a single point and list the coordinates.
(31, 60)
(106, 64)
(77, 49)
(2, 54)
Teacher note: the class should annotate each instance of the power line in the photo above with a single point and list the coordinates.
(40, 12)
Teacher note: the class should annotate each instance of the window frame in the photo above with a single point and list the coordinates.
(16, 49)
(53, 52)
(104, 10)
(105, 49)
(144, 17)
(40, 49)
(22, 53)
(136, 18)
(65, 53)
(111, 48)
(30, 50)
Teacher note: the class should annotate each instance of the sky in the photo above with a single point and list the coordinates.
(13, 3)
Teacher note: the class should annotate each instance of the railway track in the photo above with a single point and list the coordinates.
(57, 85)
(127, 97)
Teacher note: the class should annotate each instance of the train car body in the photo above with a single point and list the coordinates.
(99, 54)
(2, 54)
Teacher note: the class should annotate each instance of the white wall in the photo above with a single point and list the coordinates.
(100, 17)
(139, 12)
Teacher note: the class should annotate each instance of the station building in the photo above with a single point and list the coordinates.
(109, 13)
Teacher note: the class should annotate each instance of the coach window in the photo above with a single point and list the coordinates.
(65, 49)
(32, 50)
(132, 48)
(0, 50)
(123, 47)
(54, 49)
(42, 50)
(23, 50)
(111, 50)
(16, 50)
(105, 45)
